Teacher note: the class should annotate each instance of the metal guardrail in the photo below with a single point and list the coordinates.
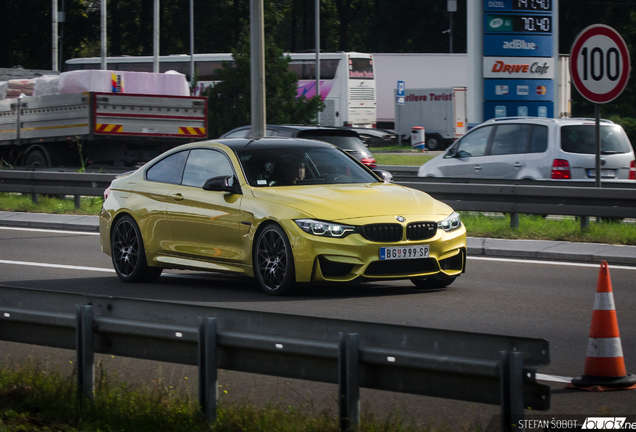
(475, 367)
(540, 198)
(55, 183)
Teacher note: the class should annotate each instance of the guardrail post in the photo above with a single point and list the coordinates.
(348, 385)
(511, 390)
(585, 222)
(85, 355)
(78, 201)
(208, 374)
(35, 198)
(514, 220)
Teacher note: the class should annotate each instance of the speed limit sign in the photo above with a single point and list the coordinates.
(599, 63)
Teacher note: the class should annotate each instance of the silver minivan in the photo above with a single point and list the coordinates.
(533, 148)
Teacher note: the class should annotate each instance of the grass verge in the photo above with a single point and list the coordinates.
(50, 204)
(410, 159)
(32, 399)
(539, 228)
(477, 224)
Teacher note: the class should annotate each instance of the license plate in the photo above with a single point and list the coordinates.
(404, 252)
(606, 173)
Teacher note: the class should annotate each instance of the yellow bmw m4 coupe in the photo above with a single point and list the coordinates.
(283, 211)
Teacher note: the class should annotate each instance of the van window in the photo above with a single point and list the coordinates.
(538, 139)
(510, 139)
(474, 143)
(582, 139)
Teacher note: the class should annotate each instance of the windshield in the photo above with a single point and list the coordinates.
(581, 139)
(301, 166)
(350, 143)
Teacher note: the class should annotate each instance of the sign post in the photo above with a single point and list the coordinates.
(599, 65)
(400, 101)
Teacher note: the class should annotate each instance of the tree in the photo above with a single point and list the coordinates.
(229, 100)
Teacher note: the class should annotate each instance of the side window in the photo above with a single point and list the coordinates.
(539, 139)
(510, 139)
(242, 133)
(203, 165)
(474, 143)
(168, 170)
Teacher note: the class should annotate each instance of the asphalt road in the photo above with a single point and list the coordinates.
(545, 300)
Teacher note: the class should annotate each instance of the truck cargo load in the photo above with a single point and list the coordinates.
(82, 126)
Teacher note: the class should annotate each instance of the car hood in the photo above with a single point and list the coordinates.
(354, 201)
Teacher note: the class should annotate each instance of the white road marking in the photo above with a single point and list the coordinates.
(560, 263)
(51, 231)
(553, 378)
(58, 266)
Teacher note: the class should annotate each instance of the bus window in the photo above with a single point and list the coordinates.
(306, 69)
(133, 67)
(207, 69)
(360, 68)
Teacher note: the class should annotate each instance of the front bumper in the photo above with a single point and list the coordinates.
(319, 259)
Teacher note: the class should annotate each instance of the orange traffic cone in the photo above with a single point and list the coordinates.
(604, 363)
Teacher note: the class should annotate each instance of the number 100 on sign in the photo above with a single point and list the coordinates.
(600, 64)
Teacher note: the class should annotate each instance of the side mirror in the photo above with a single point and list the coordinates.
(387, 176)
(451, 153)
(223, 184)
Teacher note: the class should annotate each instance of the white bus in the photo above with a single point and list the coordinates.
(347, 79)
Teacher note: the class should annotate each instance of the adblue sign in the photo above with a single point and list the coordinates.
(518, 45)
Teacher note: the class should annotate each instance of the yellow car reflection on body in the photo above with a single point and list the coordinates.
(284, 211)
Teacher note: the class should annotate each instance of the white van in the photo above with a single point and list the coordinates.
(533, 148)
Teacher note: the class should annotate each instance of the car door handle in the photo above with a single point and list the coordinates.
(477, 167)
(517, 165)
(177, 196)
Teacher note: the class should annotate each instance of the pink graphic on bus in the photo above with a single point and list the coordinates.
(308, 89)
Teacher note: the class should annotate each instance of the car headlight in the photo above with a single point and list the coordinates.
(325, 229)
(451, 223)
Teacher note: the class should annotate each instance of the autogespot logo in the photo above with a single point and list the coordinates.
(607, 423)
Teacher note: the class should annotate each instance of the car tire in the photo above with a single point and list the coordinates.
(129, 254)
(274, 261)
(433, 283)
(36, 158)
(434, 142)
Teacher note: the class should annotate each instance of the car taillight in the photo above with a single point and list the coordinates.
(370, 162)
(373, 125)
(347, 124)
(560, 170)
(632, 170)
(106, 193)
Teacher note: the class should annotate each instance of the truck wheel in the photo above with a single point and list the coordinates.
(434, 142)
(36, 158)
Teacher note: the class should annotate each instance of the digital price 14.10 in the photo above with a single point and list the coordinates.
(538, 5)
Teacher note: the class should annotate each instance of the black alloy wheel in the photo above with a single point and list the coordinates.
(274, 261)
(128, 253)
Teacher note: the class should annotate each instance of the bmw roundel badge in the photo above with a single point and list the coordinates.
(400, 218)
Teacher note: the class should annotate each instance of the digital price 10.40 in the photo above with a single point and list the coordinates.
(534, 24)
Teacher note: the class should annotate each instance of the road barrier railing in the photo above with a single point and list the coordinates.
(476, 367)
(539, 198)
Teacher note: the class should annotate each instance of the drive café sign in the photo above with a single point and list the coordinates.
(519, 67)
